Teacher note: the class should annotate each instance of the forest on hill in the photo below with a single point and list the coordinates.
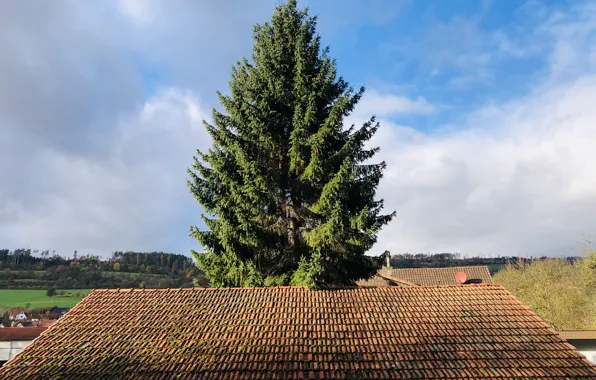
(34, 269)
(443, 260)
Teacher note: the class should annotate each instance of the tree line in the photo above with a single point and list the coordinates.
(561, 291)
(33, 269)
(443, 260)
(131, 262)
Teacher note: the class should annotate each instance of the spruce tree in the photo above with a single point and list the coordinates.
(287, 189)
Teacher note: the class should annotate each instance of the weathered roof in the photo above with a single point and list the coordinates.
(18, 310)
(431, 276)
(20, 333)
(578, 334)
(392, 280)
(24, 323)
(445, 332)
(46, 322)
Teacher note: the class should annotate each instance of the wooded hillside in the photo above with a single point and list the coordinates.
(27, 269)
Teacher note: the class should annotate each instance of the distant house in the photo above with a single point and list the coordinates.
(45, 322)
(60, 310)
(443, 332)
(584, 341)
(23, 324)
(13, 340)
(18, 314)
(428, 276)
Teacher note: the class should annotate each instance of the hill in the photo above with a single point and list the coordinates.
(26, 269)
(443, 260)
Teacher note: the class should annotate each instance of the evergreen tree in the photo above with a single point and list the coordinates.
(288, 191)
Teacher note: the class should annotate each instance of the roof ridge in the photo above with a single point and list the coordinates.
(136, 290)
(434, 268)
(575, 330)
(347, 287)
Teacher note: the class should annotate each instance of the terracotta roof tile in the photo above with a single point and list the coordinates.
(20, 333)
(578, 334)
(430, 276)
(444, 332)
(18, 310)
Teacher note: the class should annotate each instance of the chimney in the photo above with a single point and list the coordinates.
(387, 260)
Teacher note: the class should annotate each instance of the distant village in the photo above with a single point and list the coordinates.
(23, 317)
(23, 326)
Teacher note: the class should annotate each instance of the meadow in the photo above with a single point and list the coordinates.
(10, 298)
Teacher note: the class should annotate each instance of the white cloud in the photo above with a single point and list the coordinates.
(138, 10)
(518, 178)
(93, 150)
(511, 178)
(93, 167)
(387, 105)
(86, 161)
(136, 199)
(573, 36)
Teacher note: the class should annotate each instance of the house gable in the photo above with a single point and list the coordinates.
(18, 314)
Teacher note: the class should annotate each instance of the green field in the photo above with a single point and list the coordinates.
(37, 298)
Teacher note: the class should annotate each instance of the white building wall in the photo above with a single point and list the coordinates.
(587, 347)
(10, 349)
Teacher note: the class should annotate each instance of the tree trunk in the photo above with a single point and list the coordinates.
(293, 222)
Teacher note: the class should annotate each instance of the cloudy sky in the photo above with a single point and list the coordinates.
(488, 112)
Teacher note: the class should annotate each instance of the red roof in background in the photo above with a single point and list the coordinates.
(18, 310)
(430, 276)
(46, 322)
(578, 334)
(442, 332)
(20, 333)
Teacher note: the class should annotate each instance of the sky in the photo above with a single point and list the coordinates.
(486, 107)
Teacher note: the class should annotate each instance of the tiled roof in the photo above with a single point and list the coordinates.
(46, 322)
(445, 332)
(578, 334)
(431, 276)
(393, 280)
(20, 333)
(16, 311)
(24, 323)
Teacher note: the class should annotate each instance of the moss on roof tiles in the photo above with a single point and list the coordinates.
(399, 332)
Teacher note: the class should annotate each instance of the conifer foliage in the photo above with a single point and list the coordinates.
(288, 190)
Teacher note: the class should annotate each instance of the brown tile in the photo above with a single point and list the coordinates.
(427, 276)
(444, 332)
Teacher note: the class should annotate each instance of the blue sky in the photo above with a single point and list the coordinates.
(486, 112)
(457, 54)
(452, 53)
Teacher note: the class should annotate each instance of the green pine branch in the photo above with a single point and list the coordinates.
(288, 190)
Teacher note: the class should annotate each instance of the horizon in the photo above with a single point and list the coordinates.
(481, 255)
(485, 109)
